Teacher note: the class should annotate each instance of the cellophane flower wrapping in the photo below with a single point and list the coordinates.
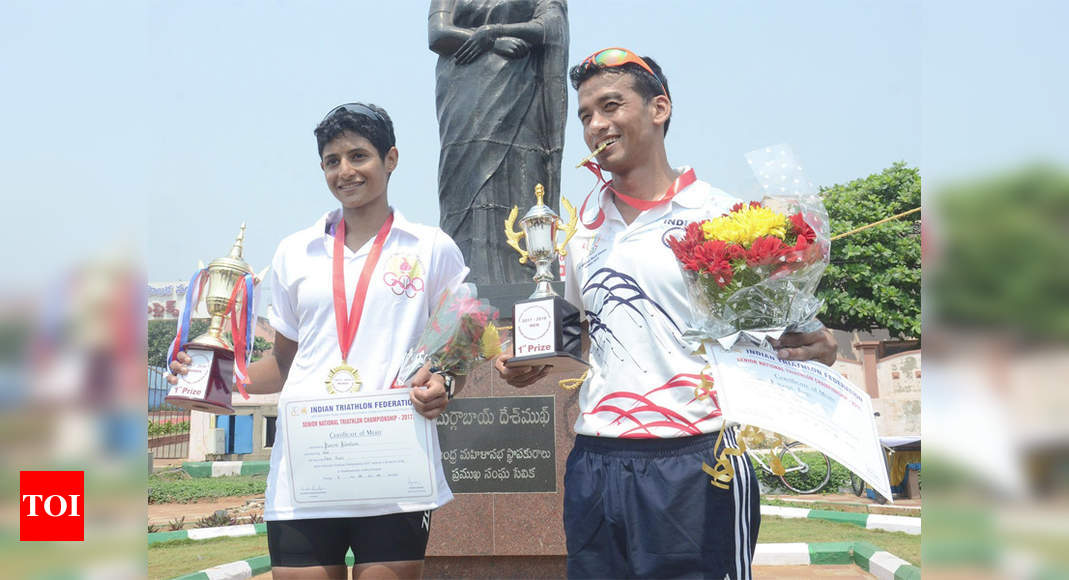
(460, 334)
(753, 272)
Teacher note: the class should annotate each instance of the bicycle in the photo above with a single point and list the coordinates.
(791, 467)
(857, 485)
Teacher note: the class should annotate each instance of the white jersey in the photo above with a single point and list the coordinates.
(416, 264)
(625, 281)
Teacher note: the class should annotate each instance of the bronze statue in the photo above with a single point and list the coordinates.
(502, 103)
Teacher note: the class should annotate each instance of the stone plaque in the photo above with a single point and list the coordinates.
(499, 444)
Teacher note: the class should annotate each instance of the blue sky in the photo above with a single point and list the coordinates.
(153, 129)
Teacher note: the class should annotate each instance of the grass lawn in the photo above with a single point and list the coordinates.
(179, 487)
(186, 556)
(776, 530)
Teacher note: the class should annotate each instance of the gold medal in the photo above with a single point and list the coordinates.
(343, 379)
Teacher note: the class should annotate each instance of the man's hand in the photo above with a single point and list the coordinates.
(818, 345)
(428, 394)
(179, 366)
(522, 376)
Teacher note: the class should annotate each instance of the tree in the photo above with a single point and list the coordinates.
(1003, 251)
(874, 278)
(260, 346)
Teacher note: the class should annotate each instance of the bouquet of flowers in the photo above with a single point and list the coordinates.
(754, 271)
(459, 335)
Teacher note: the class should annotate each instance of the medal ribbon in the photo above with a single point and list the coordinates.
(240, 308)
(682, 182)
(347, 325)
(193, 292)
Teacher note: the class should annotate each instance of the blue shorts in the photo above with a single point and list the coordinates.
(644, 508)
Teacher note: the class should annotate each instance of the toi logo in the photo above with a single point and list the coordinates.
(51, 506)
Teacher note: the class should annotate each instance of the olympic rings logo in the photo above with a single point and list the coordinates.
(403, 284)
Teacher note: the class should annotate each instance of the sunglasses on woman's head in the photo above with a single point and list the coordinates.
(357, 109)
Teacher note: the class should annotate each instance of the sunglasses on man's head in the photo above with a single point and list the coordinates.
(357, 109)
(616, 57)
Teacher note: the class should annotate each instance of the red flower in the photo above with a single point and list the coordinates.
(714, 258)
(722, 274)
(684, 253)
(685, 249)
(694, 231)
(765, 250)
(802, 229)
(740, 206)
(714, 251)
(796, 257)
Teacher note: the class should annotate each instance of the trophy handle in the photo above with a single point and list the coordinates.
(513, 236)
(568, 228)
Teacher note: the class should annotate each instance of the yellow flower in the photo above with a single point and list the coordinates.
(724, 229)
(490, 344)
(761, 221)
(746, 225)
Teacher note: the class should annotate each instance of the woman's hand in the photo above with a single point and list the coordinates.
(481, 40)
(428, 394)
(179, 366)
(512, 47)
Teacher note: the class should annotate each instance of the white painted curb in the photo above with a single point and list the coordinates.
(792, 554)
(883, 565)
(224, 468)
(221, 532)
(232, 571)
(905, 524)
(784, 512)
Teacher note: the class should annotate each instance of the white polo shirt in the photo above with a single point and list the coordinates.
(625, 281)
(416, 264)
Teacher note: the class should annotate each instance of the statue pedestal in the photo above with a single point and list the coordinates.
(477, 533)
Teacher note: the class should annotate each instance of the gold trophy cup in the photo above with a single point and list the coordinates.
(209, 383)
(545, 327)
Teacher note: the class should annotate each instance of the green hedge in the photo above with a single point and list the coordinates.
(160, 429)
(180, 488)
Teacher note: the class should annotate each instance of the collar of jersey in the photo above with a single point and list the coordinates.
(400, 224)
(689, 197)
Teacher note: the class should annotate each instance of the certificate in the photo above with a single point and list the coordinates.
(806, 401)
(362, 449)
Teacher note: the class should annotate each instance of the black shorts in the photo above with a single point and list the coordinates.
(325, 541)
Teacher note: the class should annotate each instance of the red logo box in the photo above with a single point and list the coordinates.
(51, 506)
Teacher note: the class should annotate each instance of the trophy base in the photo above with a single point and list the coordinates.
(207, 385)
(199, 405)
(561, 362)
(546, 331)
